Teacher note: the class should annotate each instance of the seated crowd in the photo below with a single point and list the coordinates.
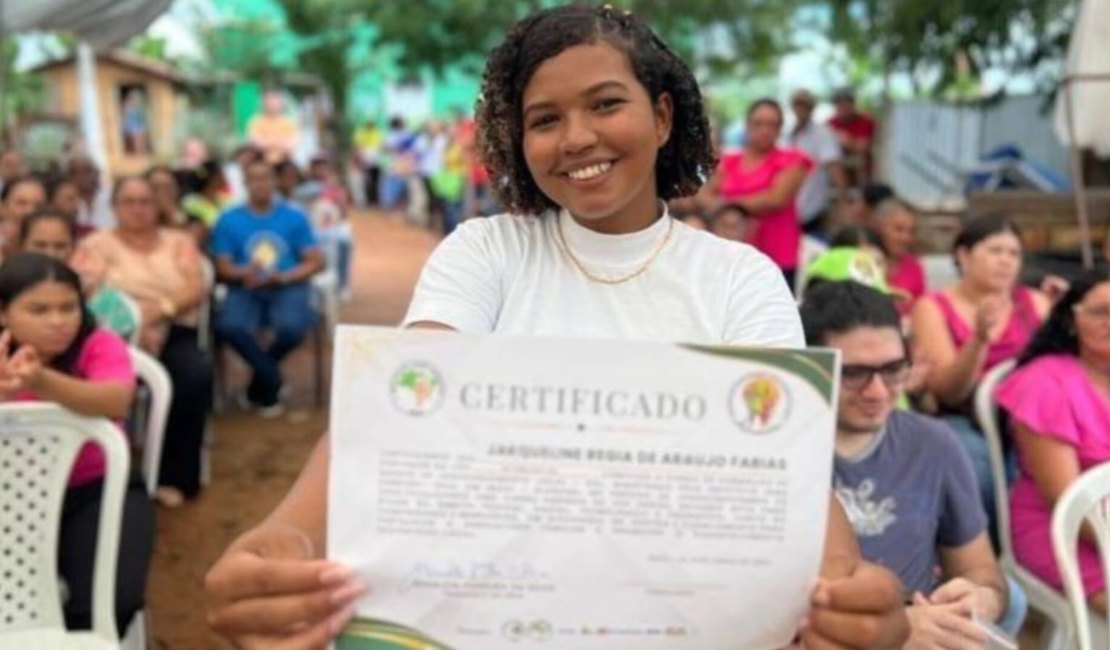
(911, 466)
(87, 272)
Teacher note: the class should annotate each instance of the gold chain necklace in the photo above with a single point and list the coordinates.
(617, 280)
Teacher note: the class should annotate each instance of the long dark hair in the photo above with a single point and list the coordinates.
(1058, 334)
(24, 271)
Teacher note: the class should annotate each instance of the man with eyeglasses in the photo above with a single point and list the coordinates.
(904, 480)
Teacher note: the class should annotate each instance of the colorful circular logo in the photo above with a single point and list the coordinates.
(417, 389)
(759, 403)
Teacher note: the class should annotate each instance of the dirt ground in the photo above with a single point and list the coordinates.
(254, 461)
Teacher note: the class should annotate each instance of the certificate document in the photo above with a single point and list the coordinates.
(525, 493)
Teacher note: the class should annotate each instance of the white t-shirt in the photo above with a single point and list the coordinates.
(509, 274)
(820, 144)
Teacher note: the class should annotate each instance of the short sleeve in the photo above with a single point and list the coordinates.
(790, 158)
(761, 309)
(961, 519)
(460, 285)
(1022, 395)
(105, 358)
(222, 243)
(828, 149)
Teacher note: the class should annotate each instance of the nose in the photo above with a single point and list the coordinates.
(579, 134)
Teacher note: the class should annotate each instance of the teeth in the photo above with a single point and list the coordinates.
(592, 171)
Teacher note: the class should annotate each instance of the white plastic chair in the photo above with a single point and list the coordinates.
(153, 432)
(1056, 633)
(1084, 501)
(38, 444)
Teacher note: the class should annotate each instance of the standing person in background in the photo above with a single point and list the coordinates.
(12, 166)
(368, 142)
(94, 211)
(272, 131)
(824, 189)
(328, 210)
(431, 146)
(398, 164)
(856, 132)
(449, 185)
(763, 180)
(19, 198)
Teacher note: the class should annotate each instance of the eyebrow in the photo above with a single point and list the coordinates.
(592, 90)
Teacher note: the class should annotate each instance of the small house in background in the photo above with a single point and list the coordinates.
(139, 100)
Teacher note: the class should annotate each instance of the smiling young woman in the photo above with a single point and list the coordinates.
(588, 124)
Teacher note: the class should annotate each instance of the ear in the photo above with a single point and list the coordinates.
(664, 119)
(962, 255)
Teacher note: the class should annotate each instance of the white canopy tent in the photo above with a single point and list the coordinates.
(99, 25)
(1083, 103)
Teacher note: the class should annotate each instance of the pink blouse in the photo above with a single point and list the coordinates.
(1024, 322)
(776, 234)
(103, 358)
(907, 274)
(1053, 397)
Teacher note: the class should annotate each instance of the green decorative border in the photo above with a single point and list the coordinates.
(373, 634)
(817, 367)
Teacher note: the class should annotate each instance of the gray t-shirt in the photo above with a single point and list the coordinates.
(913, 490)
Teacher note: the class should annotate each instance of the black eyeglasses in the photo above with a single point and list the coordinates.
(893, 374)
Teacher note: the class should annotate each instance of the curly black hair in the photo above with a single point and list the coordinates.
(683, 163)
(1058, 334)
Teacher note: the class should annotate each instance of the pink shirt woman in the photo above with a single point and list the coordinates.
(776, 232)
(1059, 405)
(763, 180)
(1053, 397)
(103, 358)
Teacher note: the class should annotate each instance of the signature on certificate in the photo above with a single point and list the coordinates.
(471, 571)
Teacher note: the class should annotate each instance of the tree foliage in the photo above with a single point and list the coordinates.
(941, 45)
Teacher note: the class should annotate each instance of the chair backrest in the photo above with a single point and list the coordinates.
(38, 444)
(204, 311)
(987, 413)
(157, 380)
(1085, 500)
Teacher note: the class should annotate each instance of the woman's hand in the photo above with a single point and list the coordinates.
(26, 367)
(987, 316)
(860, 610)
(267, 592)
(19, 372)
(943, 626)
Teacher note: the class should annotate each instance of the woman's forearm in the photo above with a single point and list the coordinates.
(305, 507)
(109, 399)
(954, 383)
